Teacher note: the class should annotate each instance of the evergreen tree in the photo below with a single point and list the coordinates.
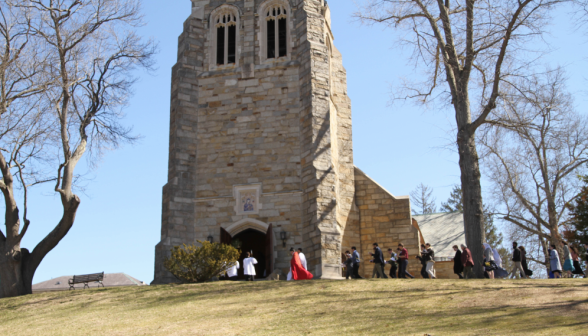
(455, 204)
(577, 226)
(493, 237)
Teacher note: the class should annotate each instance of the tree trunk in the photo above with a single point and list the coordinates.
(472, 197)
(545, 251)
(18, 266)
(13, 281)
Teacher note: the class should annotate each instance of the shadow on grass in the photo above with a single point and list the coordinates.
(416, 306)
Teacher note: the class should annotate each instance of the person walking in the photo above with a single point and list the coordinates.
(298, 272)
(497, 258)
(431, 262)
(586, 252)
(248, 267)
(378, 262)
(356, 261)
(554, 263)
(302, 259)
(467, 261)
(500, 272)
(568, 266)
(457, 265)
(403, 262)
(516, 258)
(349, 266)
(423, 261)
(393, 264)
(232, 271)
(576, 260)
(489, 264)
(524, 263)
(586, 257)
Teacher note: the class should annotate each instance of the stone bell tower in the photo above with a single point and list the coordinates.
(260, 135)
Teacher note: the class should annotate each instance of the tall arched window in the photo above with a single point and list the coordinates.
(225, 32)
(274, 23)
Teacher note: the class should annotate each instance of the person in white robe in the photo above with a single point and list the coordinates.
(302, 259)
(248, 267)
(232, 271)
(497, 258)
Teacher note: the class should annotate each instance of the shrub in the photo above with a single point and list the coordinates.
(190, 263)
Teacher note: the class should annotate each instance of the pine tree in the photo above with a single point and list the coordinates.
(577, 226)
(455, 204)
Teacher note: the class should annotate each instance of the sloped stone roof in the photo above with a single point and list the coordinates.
(442, 231)
(110, 280)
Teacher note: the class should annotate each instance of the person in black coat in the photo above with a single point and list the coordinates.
(423, 260)
(457, 265)
(528, 272)
(378, 262)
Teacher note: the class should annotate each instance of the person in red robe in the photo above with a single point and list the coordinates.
(298, 272)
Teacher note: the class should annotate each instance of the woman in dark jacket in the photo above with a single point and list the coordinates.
(424, 273)
(457, 265)
(524, 262)
(576, 261)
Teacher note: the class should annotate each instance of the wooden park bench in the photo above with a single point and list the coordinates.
(85, 279)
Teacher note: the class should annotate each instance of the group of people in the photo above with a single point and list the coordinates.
(248, 268)
(398, 262)
(464, 263)
(571, 266)
(298, 267)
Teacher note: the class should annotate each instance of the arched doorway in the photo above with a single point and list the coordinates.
(253, 241)
(253, 236)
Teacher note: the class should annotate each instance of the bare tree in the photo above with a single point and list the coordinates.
(468, 49)
(23, 126)
(91, 50)
(422, 198)
(534, 155)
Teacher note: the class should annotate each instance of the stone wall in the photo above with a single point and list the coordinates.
(383, 219)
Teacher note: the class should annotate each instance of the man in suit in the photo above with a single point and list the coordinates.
(378, 262)
(356, 261)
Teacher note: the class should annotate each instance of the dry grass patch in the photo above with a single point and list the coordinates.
(382, 307)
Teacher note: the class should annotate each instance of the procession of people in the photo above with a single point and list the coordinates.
(463, 263)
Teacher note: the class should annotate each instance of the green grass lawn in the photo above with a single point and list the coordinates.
(361, 307)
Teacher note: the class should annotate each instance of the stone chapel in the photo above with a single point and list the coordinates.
(260, 151)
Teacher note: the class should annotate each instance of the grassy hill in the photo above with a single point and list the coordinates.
(363, 307)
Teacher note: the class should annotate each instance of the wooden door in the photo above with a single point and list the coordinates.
(225, 237)
(269, 250)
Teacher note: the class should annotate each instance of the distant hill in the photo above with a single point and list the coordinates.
(110, 280)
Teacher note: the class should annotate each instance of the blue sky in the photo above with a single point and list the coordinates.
(400, 146)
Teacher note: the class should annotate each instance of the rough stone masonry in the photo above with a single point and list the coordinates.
(265, 143)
